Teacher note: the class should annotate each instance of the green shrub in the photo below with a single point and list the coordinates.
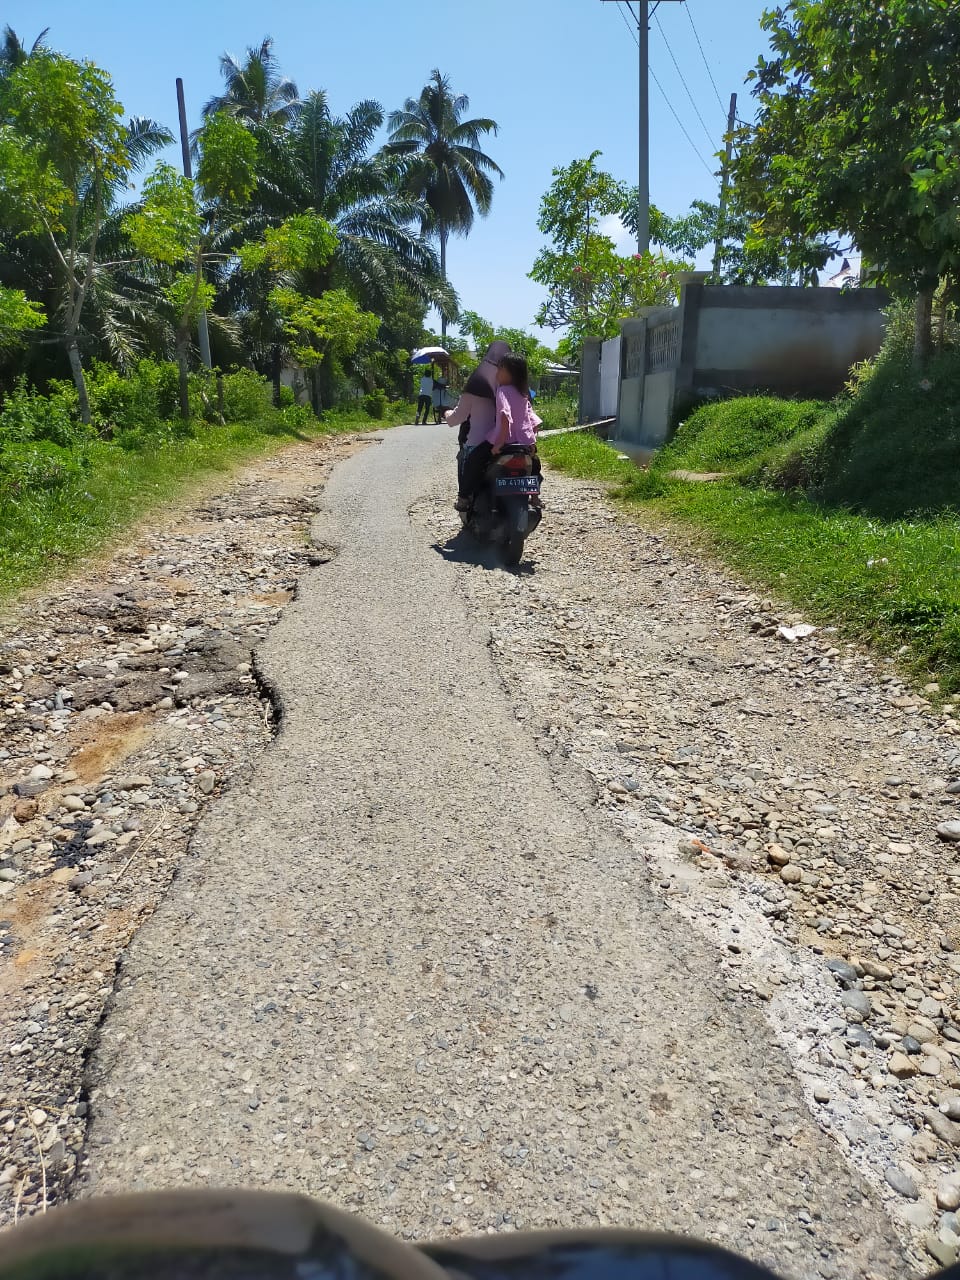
(28, 415)
(37, 466)
(246, 396)
(558, 410)
(299, 417)
(375, 403)
(121, 402)
(287, 398)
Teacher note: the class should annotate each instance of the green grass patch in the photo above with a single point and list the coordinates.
(893, 583)
(584, 455)
(58, 504)
(726, 435)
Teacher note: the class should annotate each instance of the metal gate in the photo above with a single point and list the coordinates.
(609, 377)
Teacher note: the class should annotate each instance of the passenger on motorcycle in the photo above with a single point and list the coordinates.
(515, 428)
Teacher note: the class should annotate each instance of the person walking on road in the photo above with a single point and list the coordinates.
(425, 400)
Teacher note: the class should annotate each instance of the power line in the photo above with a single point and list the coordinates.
(653, 77)
(683, 128)
(702, 54)
(683, 81)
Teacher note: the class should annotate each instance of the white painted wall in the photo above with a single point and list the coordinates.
(609, 377)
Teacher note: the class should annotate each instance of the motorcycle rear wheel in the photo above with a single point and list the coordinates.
(513, 549)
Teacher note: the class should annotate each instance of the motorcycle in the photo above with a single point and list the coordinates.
(506, 509)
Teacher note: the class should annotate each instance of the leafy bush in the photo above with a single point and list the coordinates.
(558, 410)
(287, 398)
(375, 403)
(299, 417)
(37, 466)
(28, 415)
(121, 403)
(246, 396)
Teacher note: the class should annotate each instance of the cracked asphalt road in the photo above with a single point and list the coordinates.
(409, 968)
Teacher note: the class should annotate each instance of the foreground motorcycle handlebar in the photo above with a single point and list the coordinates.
(258, 1235)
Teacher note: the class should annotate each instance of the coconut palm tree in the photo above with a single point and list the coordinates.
(444, 163)
(255, 88)
(324, 164)
(14, 53)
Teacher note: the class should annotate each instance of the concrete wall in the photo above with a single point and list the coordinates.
(793, 342)
(726, 340)
(658, 398)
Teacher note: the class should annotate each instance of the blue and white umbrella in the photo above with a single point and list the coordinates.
(427, 355)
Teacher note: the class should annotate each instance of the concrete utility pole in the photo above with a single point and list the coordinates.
(642, 18)
(724, 186)
(203, 332)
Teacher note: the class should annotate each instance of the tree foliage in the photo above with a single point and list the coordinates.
(528, 345)
(858, 132)
(18, 315)
(590, 286)
(444, 164)
(750, 255)
(64, 154)
(300, 238)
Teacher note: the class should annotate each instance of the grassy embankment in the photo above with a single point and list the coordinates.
(66, 490)
(849, 510)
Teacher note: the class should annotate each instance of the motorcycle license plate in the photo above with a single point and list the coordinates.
(518, 484)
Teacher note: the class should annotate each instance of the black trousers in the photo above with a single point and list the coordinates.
(424, 405)
(474, 469)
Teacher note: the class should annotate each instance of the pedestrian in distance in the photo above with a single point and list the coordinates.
(425, 399)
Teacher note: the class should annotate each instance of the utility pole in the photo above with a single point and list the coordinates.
(724, 187)
(642, 18)
(203, 332)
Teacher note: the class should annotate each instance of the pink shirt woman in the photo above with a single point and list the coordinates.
(516, 422)
(515, 412)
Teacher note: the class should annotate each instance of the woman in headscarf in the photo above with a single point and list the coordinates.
(476, 416)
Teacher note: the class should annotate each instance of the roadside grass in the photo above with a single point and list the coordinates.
(892, 582)
(584, 455)
(45, 529)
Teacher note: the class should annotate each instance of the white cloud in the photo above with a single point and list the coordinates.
(613, 227)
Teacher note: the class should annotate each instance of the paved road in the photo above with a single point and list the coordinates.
(409, 970)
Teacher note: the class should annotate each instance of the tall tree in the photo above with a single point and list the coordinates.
(447, 167)
(64, 157)
(173, 224)
(14, 53)
(858, 131)
(749, 256)
(255, 89)
(590, 287)
(325, 164)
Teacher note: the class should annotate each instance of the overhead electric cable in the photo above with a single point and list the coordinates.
(710, 138)
(683, 129)
(702, 54)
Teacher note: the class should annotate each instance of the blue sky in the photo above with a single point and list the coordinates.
(560, 77)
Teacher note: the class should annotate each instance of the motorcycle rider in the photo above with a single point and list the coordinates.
(476, 411)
